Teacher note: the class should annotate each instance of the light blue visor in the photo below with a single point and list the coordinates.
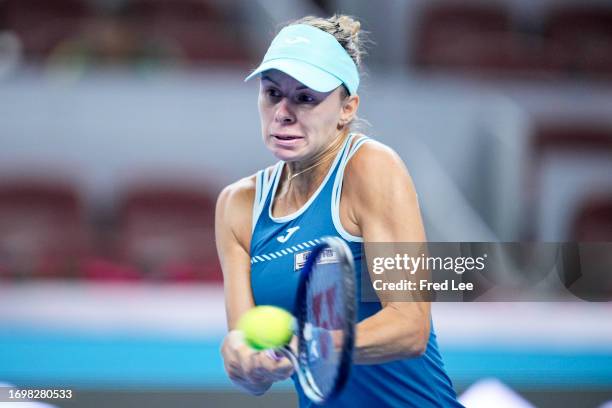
(311, 56)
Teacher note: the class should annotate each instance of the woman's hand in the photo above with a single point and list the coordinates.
(252, 370)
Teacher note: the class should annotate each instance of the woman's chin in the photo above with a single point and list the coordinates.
(286, 155)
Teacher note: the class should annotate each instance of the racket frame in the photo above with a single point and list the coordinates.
(345, 260)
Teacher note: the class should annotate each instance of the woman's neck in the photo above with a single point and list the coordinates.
(302, 178)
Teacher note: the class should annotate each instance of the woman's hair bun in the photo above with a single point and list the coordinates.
(349, 24)
(345, 29)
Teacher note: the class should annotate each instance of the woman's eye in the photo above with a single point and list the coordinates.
(273, 93)
(305, 98)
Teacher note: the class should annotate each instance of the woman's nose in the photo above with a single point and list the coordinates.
(284, 114)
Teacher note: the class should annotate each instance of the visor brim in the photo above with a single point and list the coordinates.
(303, 72)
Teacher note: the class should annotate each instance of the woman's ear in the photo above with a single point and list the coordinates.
(349, 109)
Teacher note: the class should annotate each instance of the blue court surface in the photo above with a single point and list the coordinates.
(168, 337)
(37, 357)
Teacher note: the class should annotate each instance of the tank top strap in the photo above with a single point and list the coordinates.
(264, 180)
(356, 142)
(356, 145)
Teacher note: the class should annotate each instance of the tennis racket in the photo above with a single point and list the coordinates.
(325, 313)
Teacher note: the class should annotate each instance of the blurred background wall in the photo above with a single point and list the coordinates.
(121, 120)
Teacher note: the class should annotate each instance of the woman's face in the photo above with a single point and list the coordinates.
(297, 122)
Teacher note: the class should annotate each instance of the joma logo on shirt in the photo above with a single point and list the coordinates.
(290, 231)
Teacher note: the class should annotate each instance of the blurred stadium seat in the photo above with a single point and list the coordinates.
(572, 161)
(202, 31)
(42, 24)
(593, 220)
(581, 38)
(465, 36)
(577, 137)
(69, 31)
(42, 233)
(481, 37)
(167, 232)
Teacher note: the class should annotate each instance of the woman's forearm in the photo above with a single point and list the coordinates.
(391, 334)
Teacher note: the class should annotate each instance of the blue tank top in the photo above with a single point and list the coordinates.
(278, 249)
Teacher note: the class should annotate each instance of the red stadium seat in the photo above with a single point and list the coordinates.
(593, 214)
(593, 220)
(571, 161)
(463, 36)
(42, 233)
(103, 269)
(42, 24)
(167, 232)
(577, 137)
(200, 30)
(581, 38)
(480, 38)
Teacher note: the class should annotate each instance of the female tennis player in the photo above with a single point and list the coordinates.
(328, 181)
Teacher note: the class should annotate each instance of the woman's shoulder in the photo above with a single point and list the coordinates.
(376, 181)
(239, 195)
(238, 192)
(373, 160)
(234, 210)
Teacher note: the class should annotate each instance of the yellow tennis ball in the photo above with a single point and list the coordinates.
(266, 327)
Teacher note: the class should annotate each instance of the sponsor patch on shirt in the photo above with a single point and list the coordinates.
(326, 256)
(299, 260)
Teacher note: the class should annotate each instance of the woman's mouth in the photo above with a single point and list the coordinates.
(286, 137)
(286, 140)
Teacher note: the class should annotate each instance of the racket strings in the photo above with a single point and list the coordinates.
(326, 311)
(325, 319)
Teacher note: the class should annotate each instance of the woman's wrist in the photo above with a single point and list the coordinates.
(256, 389)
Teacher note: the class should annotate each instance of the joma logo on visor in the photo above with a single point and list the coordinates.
(297, 40)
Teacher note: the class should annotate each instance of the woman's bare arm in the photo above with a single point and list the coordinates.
(233, 236)
(383, 204)
(251, 370)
